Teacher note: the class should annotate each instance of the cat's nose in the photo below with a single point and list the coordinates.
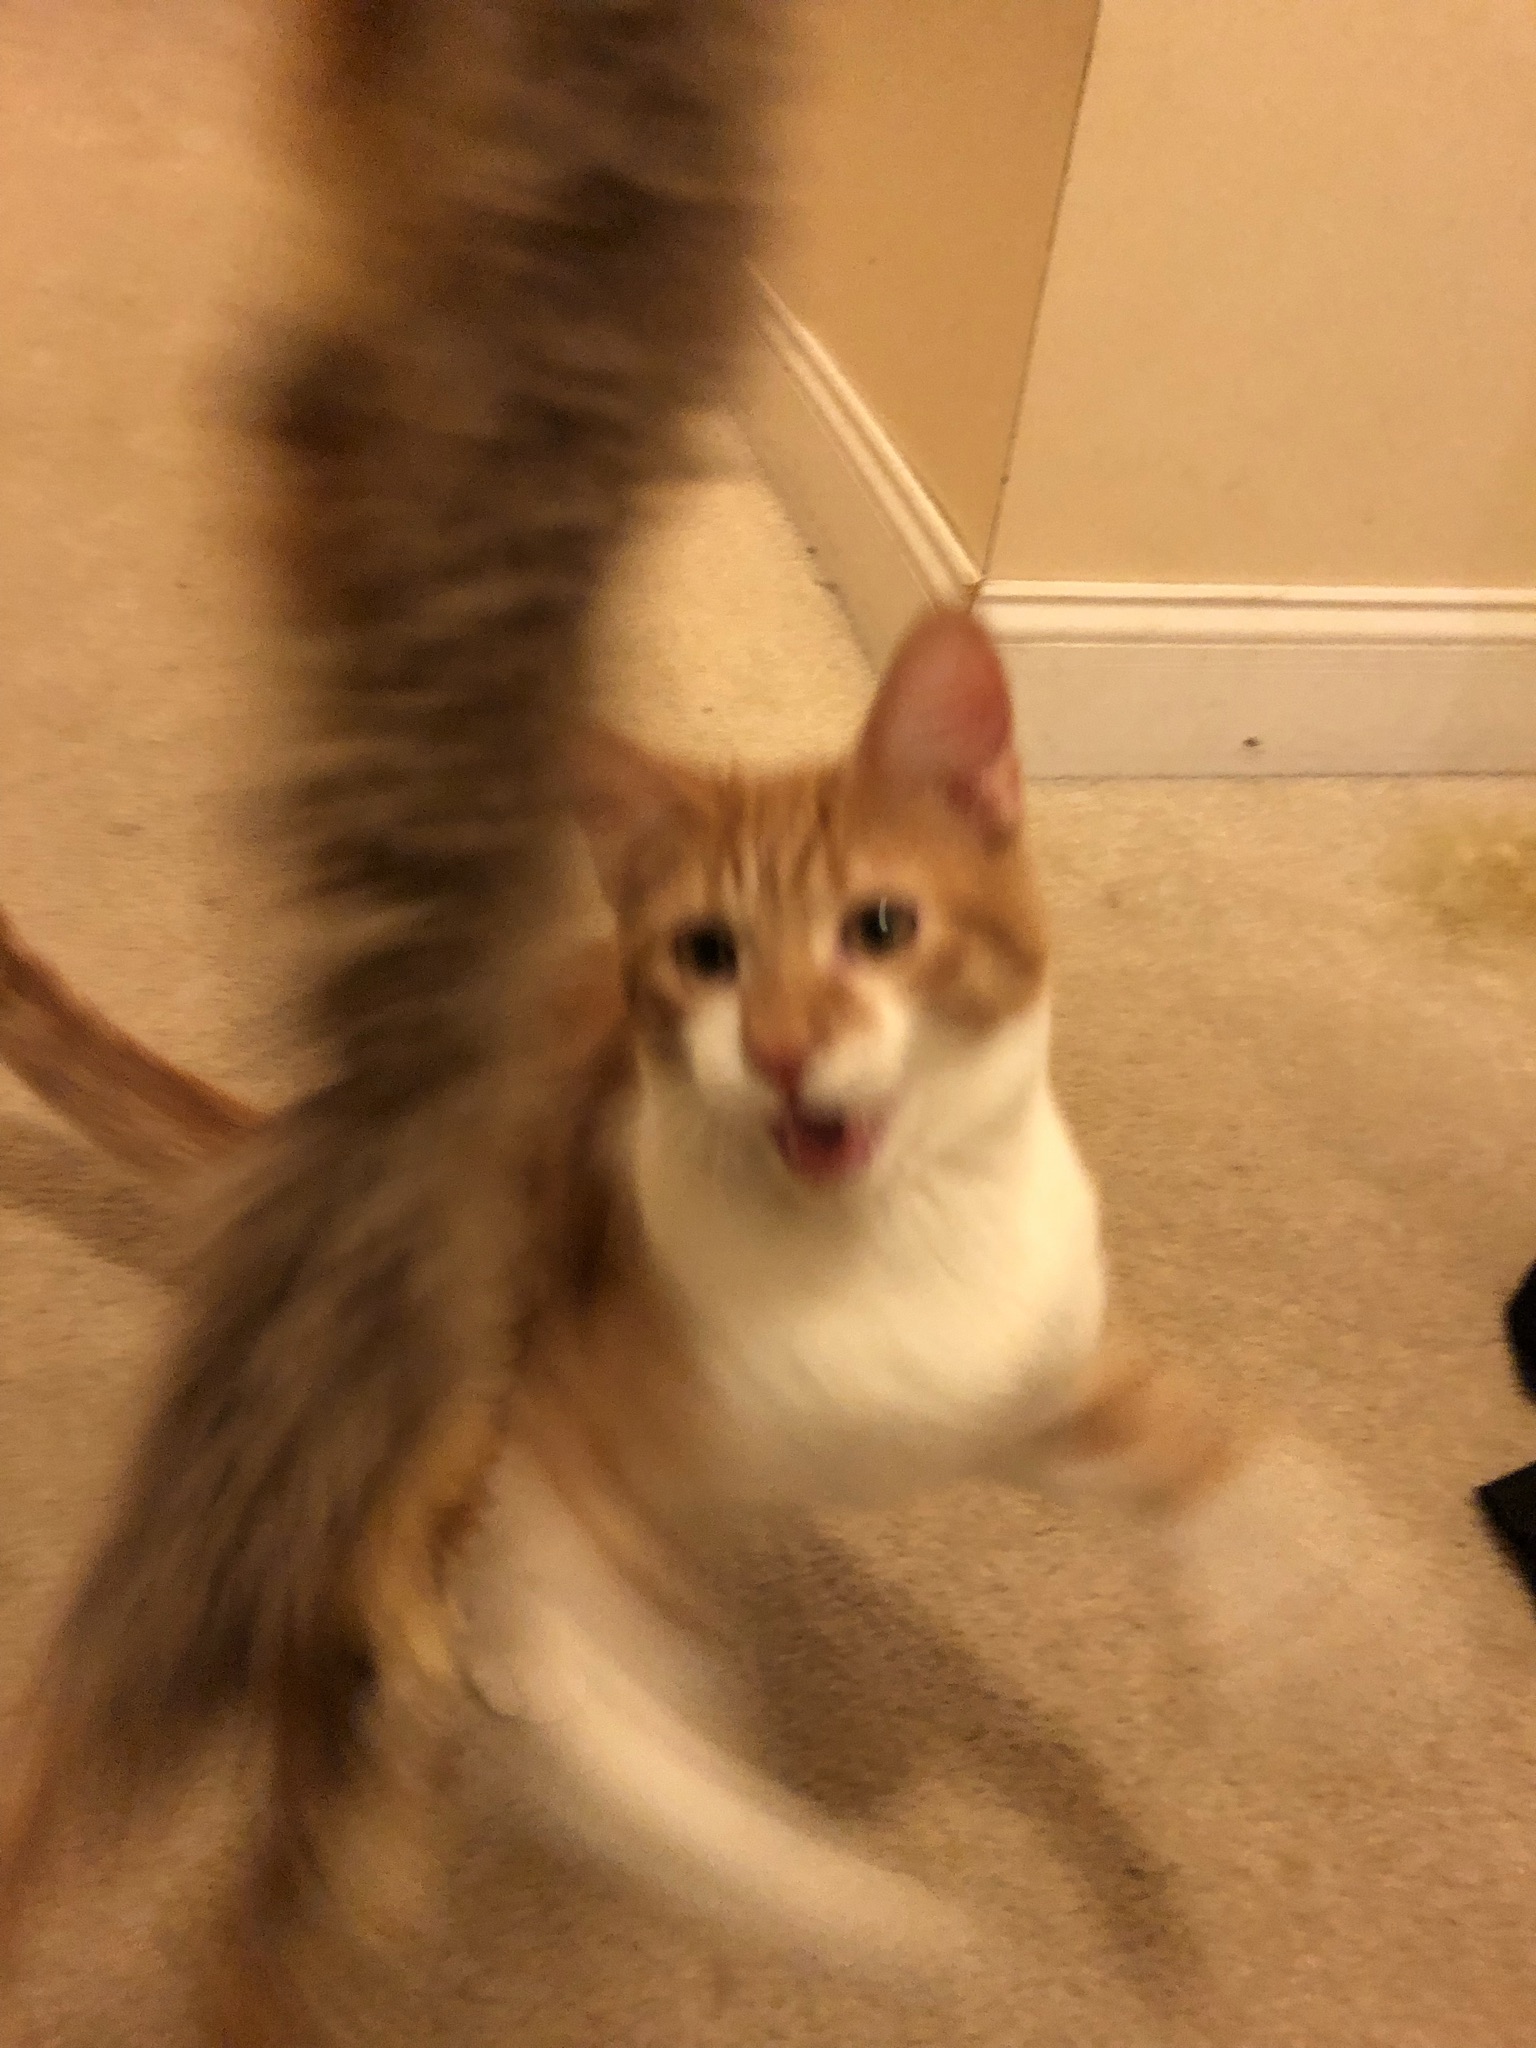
(778, 1061)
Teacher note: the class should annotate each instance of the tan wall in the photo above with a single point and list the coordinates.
(925, 155)
(1289, 333)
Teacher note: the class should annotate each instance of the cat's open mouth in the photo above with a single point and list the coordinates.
(820, 1146)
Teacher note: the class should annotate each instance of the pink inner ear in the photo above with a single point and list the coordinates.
(943, 719)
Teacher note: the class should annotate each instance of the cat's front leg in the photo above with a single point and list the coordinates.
(1304, 1601)
(1133, 1430)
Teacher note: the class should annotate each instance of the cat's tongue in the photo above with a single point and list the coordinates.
(825, 1148)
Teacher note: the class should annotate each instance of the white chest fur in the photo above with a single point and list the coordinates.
(858, 1344)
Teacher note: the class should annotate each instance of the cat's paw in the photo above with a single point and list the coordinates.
(1309, 1611)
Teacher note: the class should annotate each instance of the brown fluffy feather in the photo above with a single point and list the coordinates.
(537, 216)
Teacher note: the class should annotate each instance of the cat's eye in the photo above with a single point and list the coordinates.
(882, 926)
(707, 950)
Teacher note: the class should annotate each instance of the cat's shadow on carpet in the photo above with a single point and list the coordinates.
(863, 1690)
(48, 1175)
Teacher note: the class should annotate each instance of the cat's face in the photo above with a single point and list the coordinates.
(814, 959)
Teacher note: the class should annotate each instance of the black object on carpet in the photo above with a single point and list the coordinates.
(1520, 1322)
(1510, 1505)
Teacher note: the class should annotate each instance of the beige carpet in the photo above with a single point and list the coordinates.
(1312, 1111)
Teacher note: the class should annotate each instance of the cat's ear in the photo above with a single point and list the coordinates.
(942, 719)
(623, 796)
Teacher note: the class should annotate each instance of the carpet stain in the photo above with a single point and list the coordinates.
(1474, 876)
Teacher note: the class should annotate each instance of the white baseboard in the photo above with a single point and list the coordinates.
(877, 536)
(1151, 679)
(1189, 680)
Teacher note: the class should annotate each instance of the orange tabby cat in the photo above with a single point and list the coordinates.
(811, 1229)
